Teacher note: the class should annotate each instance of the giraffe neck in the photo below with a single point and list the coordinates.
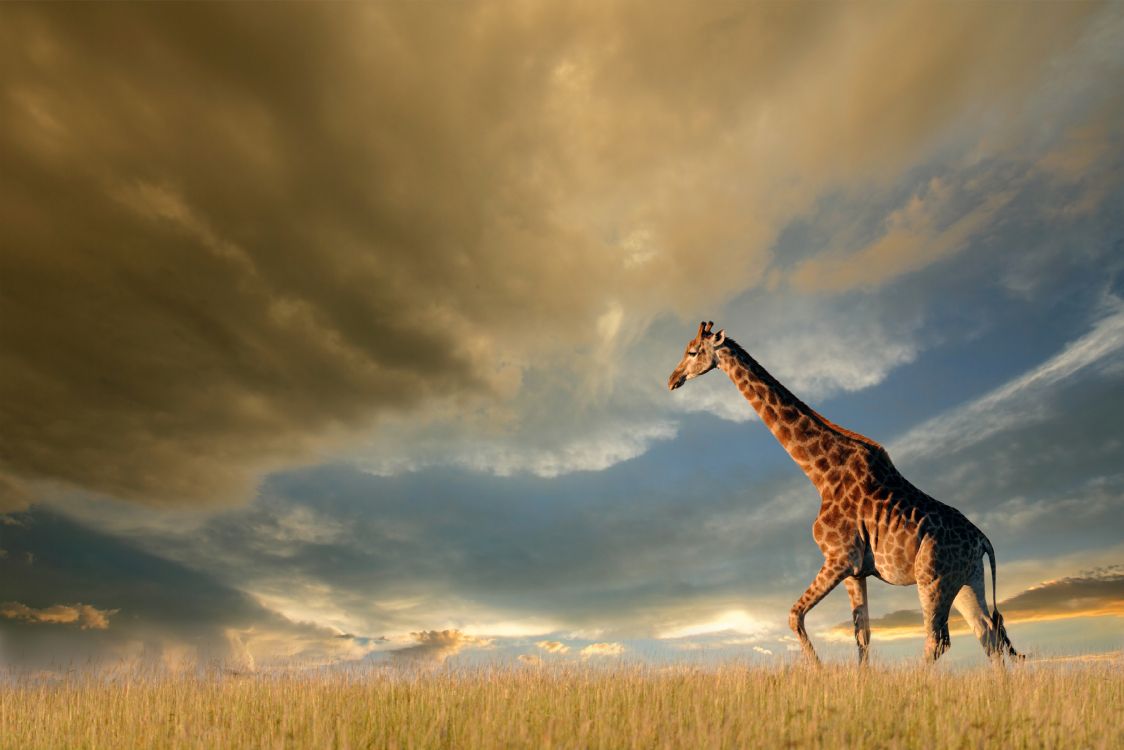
(802, 432)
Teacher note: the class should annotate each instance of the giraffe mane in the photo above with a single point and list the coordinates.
(856, 436)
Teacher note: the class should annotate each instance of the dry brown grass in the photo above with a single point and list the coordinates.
(576, 707)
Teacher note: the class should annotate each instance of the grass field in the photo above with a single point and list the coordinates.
(1073, 705)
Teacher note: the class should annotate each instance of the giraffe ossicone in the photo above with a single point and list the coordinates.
(872, 520)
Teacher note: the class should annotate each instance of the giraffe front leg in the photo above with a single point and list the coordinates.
(860, 613)
(832, 572)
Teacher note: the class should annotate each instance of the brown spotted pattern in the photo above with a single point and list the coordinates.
(872, 521)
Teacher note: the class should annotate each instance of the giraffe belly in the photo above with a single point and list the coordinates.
(894, 566)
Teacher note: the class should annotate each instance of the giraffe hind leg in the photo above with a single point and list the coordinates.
(936, 603)
(1004, 640)
(972, 605)
(832, 572)
(860, 613)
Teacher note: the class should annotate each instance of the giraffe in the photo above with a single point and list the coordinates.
(872, 521)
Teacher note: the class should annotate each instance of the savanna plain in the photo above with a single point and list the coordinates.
(1027, 705)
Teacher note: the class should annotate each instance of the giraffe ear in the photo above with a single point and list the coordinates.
(720, 337)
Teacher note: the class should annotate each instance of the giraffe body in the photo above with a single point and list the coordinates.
(872, 520)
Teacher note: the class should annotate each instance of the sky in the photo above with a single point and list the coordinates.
(339, 334)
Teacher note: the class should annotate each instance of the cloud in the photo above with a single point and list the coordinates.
(1019, 401)
(597, 447)
(553, 647)
(414, 223)
(1095, 593)
(1091, 501)
(176, 619)
(298, 527)
(717, 641)
(14, 495)
(820, 347)
(595, 650)
(86, 616)
(1082, 161)
(1091, 594)
(972, 198)
(734, 621)
(914, 236)
(435, 646)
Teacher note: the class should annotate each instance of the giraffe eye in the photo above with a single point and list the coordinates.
(693, 353)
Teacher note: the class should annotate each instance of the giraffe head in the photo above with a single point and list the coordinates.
(700, 357)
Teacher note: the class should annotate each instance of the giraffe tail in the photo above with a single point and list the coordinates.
(990, 552)
(1002, 641)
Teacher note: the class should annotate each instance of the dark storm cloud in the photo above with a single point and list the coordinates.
(235, 234)
(141, 610)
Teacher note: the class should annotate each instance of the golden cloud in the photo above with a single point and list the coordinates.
(913, 237)
(86, 616)
(594, 650)
(435, 646)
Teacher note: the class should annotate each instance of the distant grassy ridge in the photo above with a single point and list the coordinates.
(1049, 705)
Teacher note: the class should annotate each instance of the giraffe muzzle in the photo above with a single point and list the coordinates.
(675, 381)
